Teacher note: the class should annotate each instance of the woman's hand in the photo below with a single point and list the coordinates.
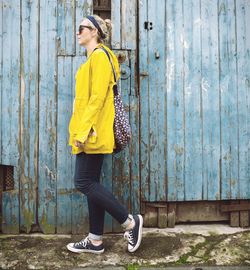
(78, 144)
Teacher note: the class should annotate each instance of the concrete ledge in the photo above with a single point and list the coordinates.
(194, 247)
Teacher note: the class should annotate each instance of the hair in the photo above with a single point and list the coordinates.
(106, 27)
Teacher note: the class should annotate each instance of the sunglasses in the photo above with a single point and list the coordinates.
(81, 27)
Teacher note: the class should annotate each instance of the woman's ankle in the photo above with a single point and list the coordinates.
(129, 223)
(95, 242)
(95, 239)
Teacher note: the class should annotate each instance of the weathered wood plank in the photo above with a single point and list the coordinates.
(210, 100)
(244, 216)
(66, 30)
(10, 109)
(82, 9)
(151, 216)
(28, 115)
(10, 211)
(242, 206)
(229, 99)
(235, 217)
(192, 100)
(244, 219)
(128, 24)
(10, 82)
(64, 158)
(1, 75)
(175, 101)
(144, 101)
(157, 101)
(47, 117)
(172, 208)
(162, 217)
(202, 211)
(80, 221)
(116, 24)
(243, 72)
(135, 142)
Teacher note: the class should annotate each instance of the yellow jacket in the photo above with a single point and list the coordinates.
(93, 110)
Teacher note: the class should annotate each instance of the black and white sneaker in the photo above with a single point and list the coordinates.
(134, 235)
(85, 245)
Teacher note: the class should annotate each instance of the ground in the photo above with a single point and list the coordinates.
(196, 245)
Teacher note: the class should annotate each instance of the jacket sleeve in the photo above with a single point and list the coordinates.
(100, 76)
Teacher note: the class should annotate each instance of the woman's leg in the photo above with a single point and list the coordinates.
(87, 177)
(90, 168)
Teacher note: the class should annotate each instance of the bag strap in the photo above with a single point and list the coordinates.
(115, 90)
(110, 62)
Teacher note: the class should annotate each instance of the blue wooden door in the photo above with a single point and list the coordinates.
(37, 80)
(194, 59)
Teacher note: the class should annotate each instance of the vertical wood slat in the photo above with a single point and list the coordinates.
(10, 109)
(243, 72)
(175, 102)
(228, 106)
(10, 82)
(47, 117)
(28, 115)
(79, 213)
(192, 100)
(144, 101)
(210, 101)
(157, 98)
(128, 24)
(162, 217)
(64, 157)
(66, 30)
(235, 216)
(135, 142)
(10, 211)
(116, 21)
(1, 74)
(82, 9)
(172, 212)
(244, 217)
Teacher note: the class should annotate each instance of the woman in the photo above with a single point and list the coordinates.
(92, 136)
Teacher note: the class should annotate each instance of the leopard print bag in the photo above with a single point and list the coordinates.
(122, 129)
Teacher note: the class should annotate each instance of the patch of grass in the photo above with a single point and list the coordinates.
(183, 259)
(132, 267)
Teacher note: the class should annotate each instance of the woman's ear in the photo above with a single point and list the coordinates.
(94, 32)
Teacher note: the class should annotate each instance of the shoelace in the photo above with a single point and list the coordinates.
(83, 242)
(129, 236)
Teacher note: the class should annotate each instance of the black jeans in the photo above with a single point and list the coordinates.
(87, 180)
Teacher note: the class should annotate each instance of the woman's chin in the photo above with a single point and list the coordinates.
(80, 43)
